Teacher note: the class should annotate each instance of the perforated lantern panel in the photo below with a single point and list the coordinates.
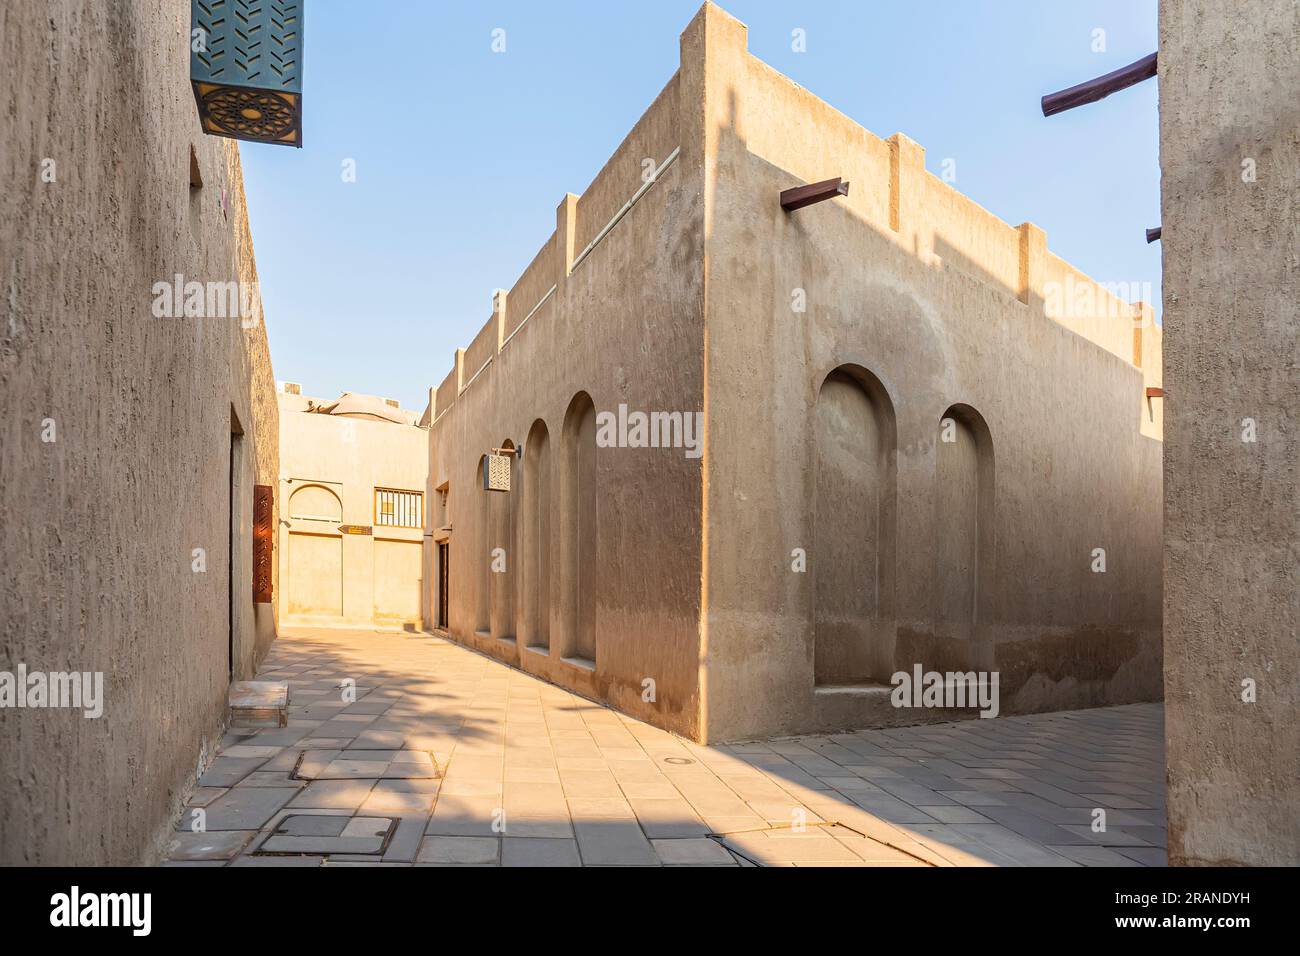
(496, 473)
(246, 68)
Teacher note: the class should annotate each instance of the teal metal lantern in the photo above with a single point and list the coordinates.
(246, 68)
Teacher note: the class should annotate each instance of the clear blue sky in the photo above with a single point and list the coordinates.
(462, 154)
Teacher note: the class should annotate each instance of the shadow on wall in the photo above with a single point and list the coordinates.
(1065, 637)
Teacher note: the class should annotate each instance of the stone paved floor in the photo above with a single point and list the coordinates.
(447, 757)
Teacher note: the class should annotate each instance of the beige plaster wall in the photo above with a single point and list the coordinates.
(624, 325)
(942, 303)
(938, 303)
(1229, 93)
(100, 525)
(336, 462)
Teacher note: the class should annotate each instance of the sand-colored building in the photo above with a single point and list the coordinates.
(353, 472)
(884, 430)
(137, 425)
(1230, 200)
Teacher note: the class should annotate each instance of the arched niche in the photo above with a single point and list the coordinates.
(854, 529)
(535, 539)
(963, 523)
(578, 532)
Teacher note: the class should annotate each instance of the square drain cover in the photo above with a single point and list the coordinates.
(322, 834)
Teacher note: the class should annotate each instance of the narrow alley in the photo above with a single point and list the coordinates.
(437, 755)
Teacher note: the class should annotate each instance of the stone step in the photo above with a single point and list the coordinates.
(254, 702)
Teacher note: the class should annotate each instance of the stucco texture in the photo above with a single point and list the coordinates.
(929, 307)
(100, 525)
(1230, 198)
(978, 555)
(609, 595)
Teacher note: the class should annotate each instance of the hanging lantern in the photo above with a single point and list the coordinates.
(496, 470)
(246, 68)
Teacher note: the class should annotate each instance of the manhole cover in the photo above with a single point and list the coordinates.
(312, 834)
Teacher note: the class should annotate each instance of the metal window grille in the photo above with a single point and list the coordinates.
(399, 509)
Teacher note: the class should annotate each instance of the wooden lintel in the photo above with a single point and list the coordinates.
(1155, 393)
(1101, 87)
(800, 196)
(1153, 234)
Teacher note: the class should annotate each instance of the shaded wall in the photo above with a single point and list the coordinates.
(943, 304)
(607, 538)
(100, 526)
(1229, 100)
(923, 299)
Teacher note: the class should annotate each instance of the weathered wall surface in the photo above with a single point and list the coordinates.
(330, 467)
(617, 554)
(1230, 101)
(100, 524)
(924, 301)
(931, 306)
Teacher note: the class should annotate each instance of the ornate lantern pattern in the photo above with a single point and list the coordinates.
(246, 68)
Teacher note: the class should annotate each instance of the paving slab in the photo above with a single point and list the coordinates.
(202, 796)
(761, 847)
(1093, 856)
(534, 851)
(228, 771)
(475, 763)
(694, 851)
(668, 819)
(405, 842)
(453, 849)
(334, 794)
(208, 846)
(242, 808)
(613, 843)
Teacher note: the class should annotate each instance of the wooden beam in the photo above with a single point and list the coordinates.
(800, 196)
(1153, 235)
(1155, 393)
(1101, 87)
